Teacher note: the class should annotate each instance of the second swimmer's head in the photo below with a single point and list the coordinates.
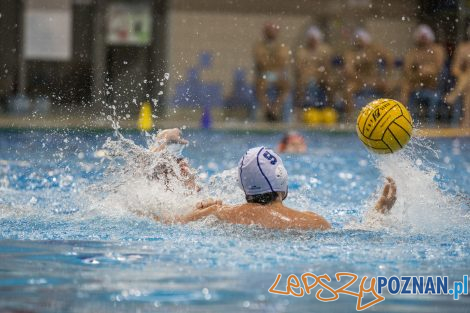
(262, 176)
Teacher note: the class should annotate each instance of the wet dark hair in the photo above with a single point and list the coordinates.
(263, 198)
(266, 198)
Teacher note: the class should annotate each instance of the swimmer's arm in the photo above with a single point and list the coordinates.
(203, 209)
(155, 217)
(167, 137)
(388, 197)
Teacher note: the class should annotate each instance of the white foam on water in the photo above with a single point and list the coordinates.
(24, 204)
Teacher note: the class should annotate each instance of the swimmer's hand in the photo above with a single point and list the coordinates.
(202, 209)
(388, 198)
(207, 203)
(167, 137)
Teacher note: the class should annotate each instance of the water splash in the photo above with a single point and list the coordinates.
(144, 182)
(137, 181)
(148, 183)
(421, 204)
(224, 186)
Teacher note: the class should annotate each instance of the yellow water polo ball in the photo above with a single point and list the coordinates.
(384, 126)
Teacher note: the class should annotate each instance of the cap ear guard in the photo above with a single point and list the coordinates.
(285, 194)
(281, 175)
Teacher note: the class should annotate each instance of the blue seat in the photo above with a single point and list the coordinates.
(242, 95)
(194, 92)
(188, 92)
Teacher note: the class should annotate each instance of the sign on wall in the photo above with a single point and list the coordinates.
(48, 31)
(129, 24)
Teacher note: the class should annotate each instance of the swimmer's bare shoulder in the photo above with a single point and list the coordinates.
(273, 216)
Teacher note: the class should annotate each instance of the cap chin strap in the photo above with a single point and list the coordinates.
(285, 194)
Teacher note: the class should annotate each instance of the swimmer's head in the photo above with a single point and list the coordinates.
(292, 142)
(262, 175)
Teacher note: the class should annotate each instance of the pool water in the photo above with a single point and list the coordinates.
(71, 239)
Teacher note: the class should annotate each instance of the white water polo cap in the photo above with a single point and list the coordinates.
(261, 171)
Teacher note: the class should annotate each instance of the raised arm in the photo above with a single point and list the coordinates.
(388, 197)
(171, 140)
(167, 137)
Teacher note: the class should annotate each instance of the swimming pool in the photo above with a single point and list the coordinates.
(71, 241)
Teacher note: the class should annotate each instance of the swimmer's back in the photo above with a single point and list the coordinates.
(273, 216)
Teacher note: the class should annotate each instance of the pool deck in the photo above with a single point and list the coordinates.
(101, 123)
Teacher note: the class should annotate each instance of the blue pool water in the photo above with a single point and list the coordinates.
(70, 238)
